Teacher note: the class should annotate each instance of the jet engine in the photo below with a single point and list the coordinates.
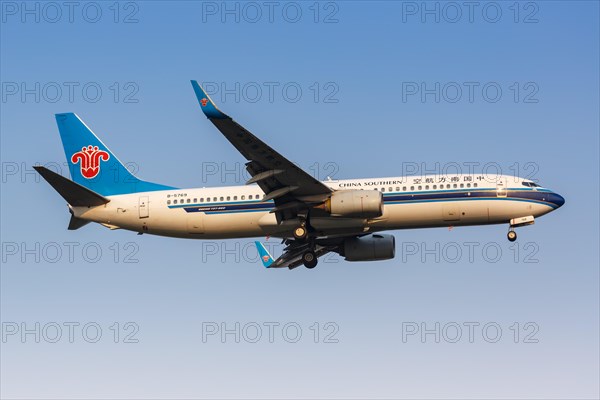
(355, 204)
(370, 248)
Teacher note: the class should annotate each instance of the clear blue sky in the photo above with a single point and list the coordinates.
(357, 68)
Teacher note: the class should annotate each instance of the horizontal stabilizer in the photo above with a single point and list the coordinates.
(76, 223)
(75, 194)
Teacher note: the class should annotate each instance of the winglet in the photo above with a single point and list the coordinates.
(206, 104)
(264, 255)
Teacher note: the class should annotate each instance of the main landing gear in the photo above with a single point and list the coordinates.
(301, 232)
(309, 258)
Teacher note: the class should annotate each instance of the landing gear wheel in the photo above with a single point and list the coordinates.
(512, 236)
(300, 232)
(309, 259)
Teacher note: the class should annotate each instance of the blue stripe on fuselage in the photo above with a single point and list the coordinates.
(526, 194)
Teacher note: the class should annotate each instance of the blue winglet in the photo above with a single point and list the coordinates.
(264, 255)
(206, 103)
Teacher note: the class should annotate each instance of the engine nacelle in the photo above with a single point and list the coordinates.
(370, 248)
(355, 204)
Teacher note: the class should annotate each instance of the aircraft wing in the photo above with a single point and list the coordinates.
(292, 254)
(291, 188)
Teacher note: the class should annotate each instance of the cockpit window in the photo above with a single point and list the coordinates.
(530, 184)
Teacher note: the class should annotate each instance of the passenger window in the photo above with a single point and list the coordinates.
(475, 184)
(168, 201)
(426, 187)
(448, 186)
(383, 189)
(201, 199)
(412, 188)
(420, 187)
(250, 197)
(390, 189)
(228, 198)
(195, 200)
(257, 197)
(462, 185)
(243, 197)
(397, 188)
(189, 200)
(234, 197)
(404, 188)
(434, 187)
(174, 201)
(222, 198)
(214, 199)
(468, 185)
(455, 186)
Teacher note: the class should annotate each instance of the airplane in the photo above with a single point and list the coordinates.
(281, 200)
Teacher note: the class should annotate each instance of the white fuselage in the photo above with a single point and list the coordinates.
(238, 211)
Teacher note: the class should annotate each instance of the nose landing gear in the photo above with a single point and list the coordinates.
(511, 235)
(517, 222)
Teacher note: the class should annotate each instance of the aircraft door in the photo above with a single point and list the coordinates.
(143, 206)
(501, 187)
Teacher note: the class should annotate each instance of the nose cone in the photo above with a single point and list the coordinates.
(557, 199)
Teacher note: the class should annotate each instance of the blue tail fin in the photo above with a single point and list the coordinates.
(264, 255)
(93, 165)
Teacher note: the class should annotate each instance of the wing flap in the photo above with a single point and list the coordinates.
(264, 175)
